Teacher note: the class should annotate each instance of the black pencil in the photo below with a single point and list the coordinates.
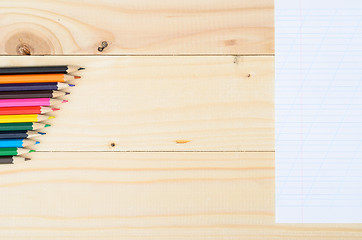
(39, 70)
(12, 159)
(32, 94)
(34, 86)
(20, 134)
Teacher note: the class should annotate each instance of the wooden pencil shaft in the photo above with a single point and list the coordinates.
(12, 159)
(24, 110)
(38, 70)
(34, 78)
(28, 102)
(19, 143)
(13, 151)
(32, 86)
(21, 126)
(8, 151)
(23, 118)
(15, 134)
(31, 94)
(6, 160)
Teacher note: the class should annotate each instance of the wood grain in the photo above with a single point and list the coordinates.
(137, 27)
(164, 104)
(148, 196)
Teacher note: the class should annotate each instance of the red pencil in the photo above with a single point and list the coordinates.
(25, 110)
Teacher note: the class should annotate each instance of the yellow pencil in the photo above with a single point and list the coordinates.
(23, 118)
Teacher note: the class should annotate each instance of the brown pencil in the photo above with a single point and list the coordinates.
(32, 94)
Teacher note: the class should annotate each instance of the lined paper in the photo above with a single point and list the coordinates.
(318, 111)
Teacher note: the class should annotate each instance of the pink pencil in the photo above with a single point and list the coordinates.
(26, 102)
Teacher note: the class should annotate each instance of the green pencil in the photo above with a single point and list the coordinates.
(14, 151)
(22, 126)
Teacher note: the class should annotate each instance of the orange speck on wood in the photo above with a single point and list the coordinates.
(183, 141)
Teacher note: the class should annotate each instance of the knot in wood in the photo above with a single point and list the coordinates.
(28, 43)
(24, 49)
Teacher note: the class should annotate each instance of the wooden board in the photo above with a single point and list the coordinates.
(148, 196)
(151, 103)
(137, 27)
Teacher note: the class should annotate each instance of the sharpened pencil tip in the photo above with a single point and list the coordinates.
(47, 125)
(65, 101)
(51, 117)
(27, 159)
(37, 142)
(41, 133)
(67, 93)
(81, 68)
(32, 151)
(71, 85)
(77, 77)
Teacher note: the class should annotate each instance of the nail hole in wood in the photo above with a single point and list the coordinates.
(103, 46)
(236, 60)
(249, 75)
(113, 144)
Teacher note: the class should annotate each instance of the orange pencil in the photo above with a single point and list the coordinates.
(35, 78)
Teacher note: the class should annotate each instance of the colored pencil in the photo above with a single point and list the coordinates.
(22, 126)
(36, 78)
(20, 134)
(39, 69)
(24, 118)
(12, 159)
(32, 94)
(26, 110)
(17, 143)
(34, 86)
(26, 102)
(14, 151)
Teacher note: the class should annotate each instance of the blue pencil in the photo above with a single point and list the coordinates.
(16, 143)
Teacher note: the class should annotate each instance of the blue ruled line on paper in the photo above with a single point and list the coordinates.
(318, 106)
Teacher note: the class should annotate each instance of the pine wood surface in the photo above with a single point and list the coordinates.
(86, 191)
(115, 195)
(208, 103)
(100, 172)
(136, 27)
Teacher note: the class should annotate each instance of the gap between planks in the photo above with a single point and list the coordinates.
(148, 55)
(220, 103)
(164, 151)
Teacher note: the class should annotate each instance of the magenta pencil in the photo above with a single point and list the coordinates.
(25, 102)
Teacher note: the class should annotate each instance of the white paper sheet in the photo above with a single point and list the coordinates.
(318, 111)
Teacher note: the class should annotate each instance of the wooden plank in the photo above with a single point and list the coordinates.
(137, 27)
(151, 103)
(148, 196)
